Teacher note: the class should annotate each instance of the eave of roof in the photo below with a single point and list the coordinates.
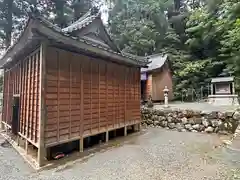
(222, 79)
(48, 29)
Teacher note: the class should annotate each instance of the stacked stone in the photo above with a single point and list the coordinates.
(193, 121)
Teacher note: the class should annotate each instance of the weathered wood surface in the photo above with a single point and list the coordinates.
(87, 96)
(23, 79)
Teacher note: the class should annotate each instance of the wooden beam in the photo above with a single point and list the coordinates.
(42, 111)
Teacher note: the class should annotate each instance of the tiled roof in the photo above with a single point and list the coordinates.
(138, 60)
(82, 22)
(156, 61)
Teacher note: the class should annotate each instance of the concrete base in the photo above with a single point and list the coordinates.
(226, 100)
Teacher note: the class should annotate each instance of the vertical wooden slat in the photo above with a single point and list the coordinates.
(7, 101)
(58, 95)
(30, 98)
(114, 98)
(32, 90)
(42, 106)
(99, 115)
(91, 91)
(24, 96)
(36, 81)
(82, 110)
(106, 75)
(21, 97)
(4, 97)
(125, 89)
(70, 101)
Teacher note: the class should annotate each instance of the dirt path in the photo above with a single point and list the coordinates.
(156, 154)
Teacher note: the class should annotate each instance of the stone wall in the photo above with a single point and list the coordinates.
(193, 121)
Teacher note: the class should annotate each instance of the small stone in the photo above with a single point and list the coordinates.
(163, 123)
(205, 122)
(188, 126)
(201, 127)
(229, 114)
(197, 113)
(203, 113)
(214, 123)
(184, 113)
(191, 121)
(184, 120)
(155, 123)
(197, 120)
(194, 131)
(221, 115)
(196, 126)
(161, 118)
(222, 132)
(160, 113)
(216, 130)
(169, 119)
(183, 130)
(171, 125)
(213, 115)
(209, 129)
(236, 115)
(227, 142)
(167, 128)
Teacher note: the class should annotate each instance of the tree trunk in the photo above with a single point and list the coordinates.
(9, 25)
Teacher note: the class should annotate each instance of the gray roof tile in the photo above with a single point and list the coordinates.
(156, 61)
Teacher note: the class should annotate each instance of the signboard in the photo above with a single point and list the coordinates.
(223, 88)
(143, 76)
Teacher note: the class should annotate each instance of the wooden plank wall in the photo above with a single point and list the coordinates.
(86, 96)
(23, 79)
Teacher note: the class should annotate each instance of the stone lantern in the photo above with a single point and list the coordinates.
(166, 91)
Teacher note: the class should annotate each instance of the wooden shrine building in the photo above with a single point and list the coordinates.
(155, 77)
(63, 85)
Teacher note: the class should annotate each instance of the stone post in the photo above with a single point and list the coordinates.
(211, 89)
(233, 88)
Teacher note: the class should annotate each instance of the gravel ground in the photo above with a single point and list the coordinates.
(155, 154)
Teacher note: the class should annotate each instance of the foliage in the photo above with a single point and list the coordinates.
(202, 38)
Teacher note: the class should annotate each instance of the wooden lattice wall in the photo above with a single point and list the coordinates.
(23, 79)
(87, 96)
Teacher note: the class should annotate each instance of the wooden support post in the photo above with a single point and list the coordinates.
(81, 145)
(139, 127)
(26, 146)
(18, 139)
(107, 136)
(135, 128)
(125, 131)
(1, 125)
(42, 106)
